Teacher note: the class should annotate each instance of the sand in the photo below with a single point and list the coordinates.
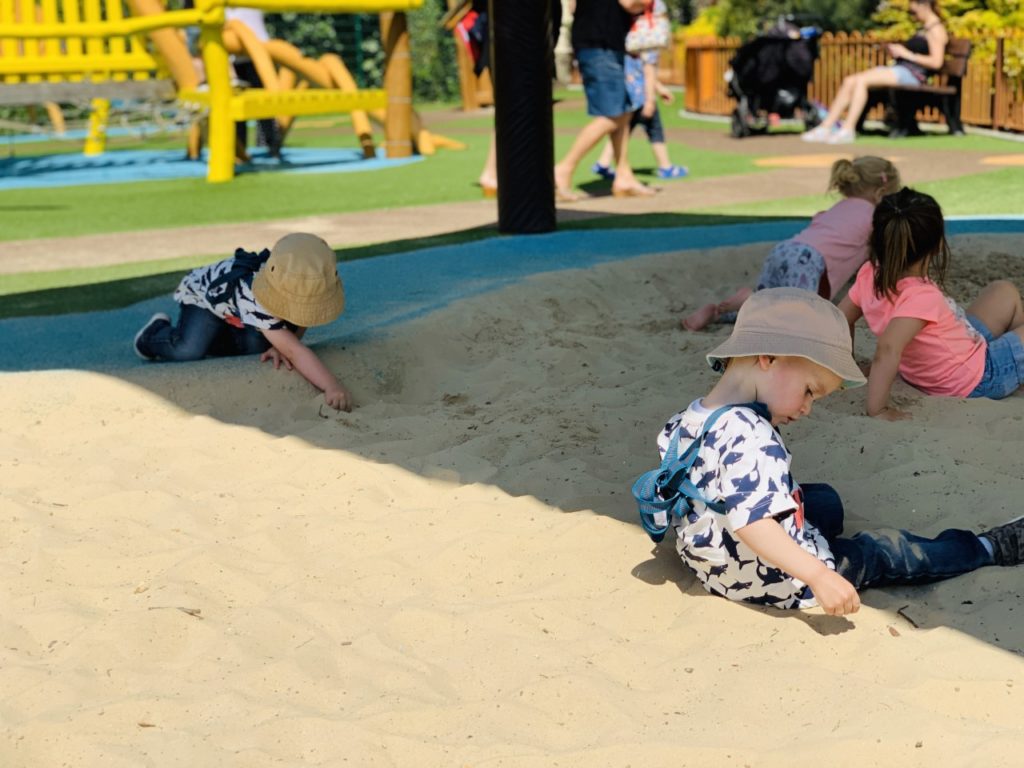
(202, 566)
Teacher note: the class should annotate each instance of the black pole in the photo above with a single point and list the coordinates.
(521, 70)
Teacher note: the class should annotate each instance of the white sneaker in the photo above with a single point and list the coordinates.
(842, 137)
(817, 135)
(158, 317)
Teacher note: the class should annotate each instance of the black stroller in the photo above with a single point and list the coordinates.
(770, 75)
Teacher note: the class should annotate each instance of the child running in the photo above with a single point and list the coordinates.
(756, 535)
(922, 333)
(829, 251)
(256, 303)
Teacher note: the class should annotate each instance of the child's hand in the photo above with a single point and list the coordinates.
(339, 399)
(891, 414)
(835, 595)
(649, 107)
(665, 94)
(277, 358)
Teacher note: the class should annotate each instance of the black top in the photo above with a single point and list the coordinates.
(600, 24)
(917, 44)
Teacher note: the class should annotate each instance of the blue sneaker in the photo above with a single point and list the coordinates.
(673, 172)
(604, 172)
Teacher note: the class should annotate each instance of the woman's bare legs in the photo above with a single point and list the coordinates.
(1000, 308)
(852, 96)
(489, 175)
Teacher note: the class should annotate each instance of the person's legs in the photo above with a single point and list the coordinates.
(858, 98)
(626, 183)
(198, 332)
(890, 556)
(489, 175)
(999, 307)
(604, 84)
(823, 509)
(1004, 362)
(585, 141)
(246, 341)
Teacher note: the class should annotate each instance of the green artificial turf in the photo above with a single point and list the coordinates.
(993, 193)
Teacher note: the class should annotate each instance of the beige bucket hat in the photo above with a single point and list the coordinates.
(299, 282)
(792, 322)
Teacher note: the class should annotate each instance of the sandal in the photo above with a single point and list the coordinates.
(673, 172)
(604, 171)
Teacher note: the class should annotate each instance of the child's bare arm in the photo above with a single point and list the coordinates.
(852, 313)
(650, 89)
(311, 367)
(769, 541)
(886, 365)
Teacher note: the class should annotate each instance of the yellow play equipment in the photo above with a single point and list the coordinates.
(59, 50)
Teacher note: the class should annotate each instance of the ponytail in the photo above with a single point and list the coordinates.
(864, 177)
(907, 227)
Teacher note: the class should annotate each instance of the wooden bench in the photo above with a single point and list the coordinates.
(66, 50)
(944, 93)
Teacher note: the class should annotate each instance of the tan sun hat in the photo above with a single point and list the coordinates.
(792, 322)
(299, 282)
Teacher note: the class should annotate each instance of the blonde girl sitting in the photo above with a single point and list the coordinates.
(923, 334)
(825, 255)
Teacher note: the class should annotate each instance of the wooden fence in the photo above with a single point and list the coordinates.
(990, 98)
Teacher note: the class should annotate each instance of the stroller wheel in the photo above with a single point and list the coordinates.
(739, 126)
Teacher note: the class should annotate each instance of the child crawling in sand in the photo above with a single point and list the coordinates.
(827, 253)
(753, 534)
(256, 303)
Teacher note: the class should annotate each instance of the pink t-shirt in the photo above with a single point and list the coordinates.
(947, 357)
(840, 235)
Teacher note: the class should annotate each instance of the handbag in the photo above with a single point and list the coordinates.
(649, 32)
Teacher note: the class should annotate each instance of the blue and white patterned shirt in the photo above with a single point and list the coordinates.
(238, 308)
(744, 463)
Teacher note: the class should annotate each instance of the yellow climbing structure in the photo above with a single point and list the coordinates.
(55, 49)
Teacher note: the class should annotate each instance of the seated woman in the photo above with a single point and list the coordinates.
(922, 56)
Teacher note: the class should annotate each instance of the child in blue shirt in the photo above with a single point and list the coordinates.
(775, 543)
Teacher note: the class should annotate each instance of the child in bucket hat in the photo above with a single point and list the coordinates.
(747, 529)
(256, 303)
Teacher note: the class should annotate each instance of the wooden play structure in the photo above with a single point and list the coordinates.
(62, 50)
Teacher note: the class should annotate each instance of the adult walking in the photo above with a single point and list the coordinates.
(599, 39)
(921, 56)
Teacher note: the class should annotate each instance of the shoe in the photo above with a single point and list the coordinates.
(817, 135)
(159, 317)
(841, 137)
(673, 172)
(641, 191)
(603, 171)
(1007, 542)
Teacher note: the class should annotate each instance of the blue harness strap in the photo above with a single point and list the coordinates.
(245, 263)
(667, 492)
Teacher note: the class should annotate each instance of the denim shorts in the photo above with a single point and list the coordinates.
(1004, 363)
(904, 76)
(604, 81)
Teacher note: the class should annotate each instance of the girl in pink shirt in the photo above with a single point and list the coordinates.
(922, 334)
(824, 256)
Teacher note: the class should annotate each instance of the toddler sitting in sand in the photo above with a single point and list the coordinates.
(256, 303)
(829, 251)
(753, 534)
(922, 333)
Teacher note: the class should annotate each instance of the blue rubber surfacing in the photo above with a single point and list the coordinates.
(68, 170)
(386, 290)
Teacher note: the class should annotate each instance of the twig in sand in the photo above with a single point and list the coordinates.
(913, 623)
(193, 612)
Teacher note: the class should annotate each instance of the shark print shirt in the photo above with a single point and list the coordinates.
(237, 307)
(743, 463)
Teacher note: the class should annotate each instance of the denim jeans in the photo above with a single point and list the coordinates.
(198, 334)
(890, 556)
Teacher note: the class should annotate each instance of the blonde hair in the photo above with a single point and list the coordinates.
(868, 177)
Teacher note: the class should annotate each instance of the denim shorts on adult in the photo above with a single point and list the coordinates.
(604, 81)
(1004, 363)
(904, 76)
